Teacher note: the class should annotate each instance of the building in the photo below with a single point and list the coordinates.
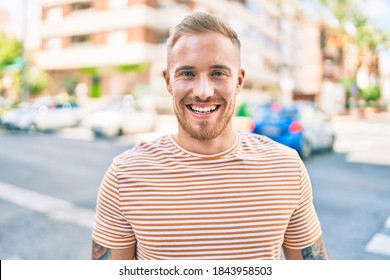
(4, 18)
(117, 47)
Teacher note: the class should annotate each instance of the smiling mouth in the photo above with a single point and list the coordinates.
(203, 110)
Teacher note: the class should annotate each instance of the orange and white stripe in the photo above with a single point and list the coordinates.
(243, 203)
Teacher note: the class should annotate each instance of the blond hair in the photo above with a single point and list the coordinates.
(201, 22)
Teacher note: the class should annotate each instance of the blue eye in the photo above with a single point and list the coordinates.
(218, 73)
(187, 74)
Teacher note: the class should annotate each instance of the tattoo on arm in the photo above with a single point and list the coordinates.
(100, 252)
(315, 252)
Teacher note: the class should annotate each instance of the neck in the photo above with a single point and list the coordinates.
(208, 147)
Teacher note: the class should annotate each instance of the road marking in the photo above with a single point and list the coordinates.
(387, 224)
(13, 258)
(379, 244)
(54, 208)
(369, 157)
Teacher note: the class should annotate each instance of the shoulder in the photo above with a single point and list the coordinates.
(263, 144)
(144, 150)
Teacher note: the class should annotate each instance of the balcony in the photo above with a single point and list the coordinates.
(98, 56)
(91, 21)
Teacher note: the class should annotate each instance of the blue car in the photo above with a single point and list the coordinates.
(302, 126)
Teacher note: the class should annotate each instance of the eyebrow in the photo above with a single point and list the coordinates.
(185, 67)
(220, 66)
(214, 66)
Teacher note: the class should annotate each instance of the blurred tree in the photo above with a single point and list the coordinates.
(69, 83)
(11, 65)
(10, 51)
(132, 68)
(95, 88)
(37, 80)
(371, 94)
(368, 38)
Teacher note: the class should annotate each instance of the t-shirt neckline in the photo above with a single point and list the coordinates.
(207, 156)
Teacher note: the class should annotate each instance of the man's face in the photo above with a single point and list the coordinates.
(204, 77)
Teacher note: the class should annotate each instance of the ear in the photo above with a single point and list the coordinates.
(167, 80)
(240, 80)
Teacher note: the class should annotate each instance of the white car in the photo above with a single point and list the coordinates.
(124, 116)
(44, 114)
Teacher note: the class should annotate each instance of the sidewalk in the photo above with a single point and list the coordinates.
(369, 117)
(364, 140)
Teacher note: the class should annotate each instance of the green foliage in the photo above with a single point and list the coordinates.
(95, 87)
(347, 82)
(367, 35)
(131, 68)
(11, 64)
(38, 80)
(91, 71)
(371, 94)
(69, 82)
(244, 110)
(10, 50)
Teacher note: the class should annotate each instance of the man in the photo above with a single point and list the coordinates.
(208, 192)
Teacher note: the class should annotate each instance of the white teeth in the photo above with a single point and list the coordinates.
(203, 109)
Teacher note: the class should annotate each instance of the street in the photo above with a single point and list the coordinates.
(49, 183)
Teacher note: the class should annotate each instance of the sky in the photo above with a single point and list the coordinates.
(379, 11)
(15, 8)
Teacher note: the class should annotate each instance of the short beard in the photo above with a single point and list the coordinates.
(204, 132)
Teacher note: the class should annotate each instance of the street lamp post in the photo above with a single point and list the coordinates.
(25, 92)
(287, 87)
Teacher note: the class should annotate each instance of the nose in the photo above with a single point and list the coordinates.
(203, 87)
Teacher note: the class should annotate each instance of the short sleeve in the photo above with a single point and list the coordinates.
(304, 227)
(111, 229)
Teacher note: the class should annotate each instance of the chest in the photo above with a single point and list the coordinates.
(201, 198)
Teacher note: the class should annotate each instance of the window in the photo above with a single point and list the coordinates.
(54, 14)
(161, 36)
(184, 2)
(82, 6)
(53, 43)
(81, 40)
(243, 2)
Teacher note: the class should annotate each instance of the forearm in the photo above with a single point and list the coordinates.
(316, 251)
(100, 252)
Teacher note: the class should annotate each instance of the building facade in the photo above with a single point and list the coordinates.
(117, 47)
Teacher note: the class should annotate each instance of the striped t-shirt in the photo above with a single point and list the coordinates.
(244, 203)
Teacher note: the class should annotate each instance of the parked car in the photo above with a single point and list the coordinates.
(302, 126)
(5, 105)
(44, 114)
(123, 116)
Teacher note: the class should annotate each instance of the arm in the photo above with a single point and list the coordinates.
(100, 252)
(314, 252)
(110, 221)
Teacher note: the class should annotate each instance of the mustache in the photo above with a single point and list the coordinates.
(209, 100)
